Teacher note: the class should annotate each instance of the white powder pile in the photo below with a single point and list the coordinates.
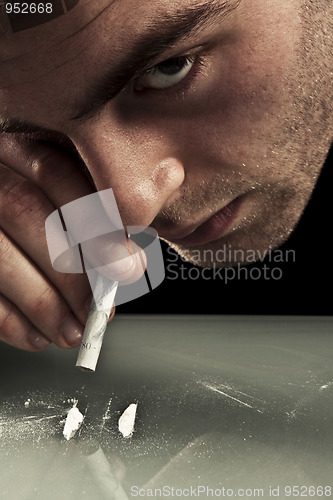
(127, 420)
(73, 423)
(326, 386)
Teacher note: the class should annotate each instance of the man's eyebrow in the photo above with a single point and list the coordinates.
(23, 128)
(53, 137)
(14, 126)
(161, 35)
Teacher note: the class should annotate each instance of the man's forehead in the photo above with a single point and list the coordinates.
(27, 25)
(19, 37)
(29, 15)
(18, 17)
(104, 52)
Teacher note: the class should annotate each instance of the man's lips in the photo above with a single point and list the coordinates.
(209, 230)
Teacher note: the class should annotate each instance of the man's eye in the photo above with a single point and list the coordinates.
(167, 74)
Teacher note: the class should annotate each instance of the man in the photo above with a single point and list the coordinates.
(209, 119)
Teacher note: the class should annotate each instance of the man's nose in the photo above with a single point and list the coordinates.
(140, 168)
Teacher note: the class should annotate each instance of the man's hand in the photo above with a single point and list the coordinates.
(38, 305)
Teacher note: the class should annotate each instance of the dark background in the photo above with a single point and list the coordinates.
(304, 289)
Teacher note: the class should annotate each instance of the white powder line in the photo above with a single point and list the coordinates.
(107, 411)
(127, 420)
(227, 395)
(39, 419)
(231, 397)
(236, 391)
(106, 415)
(73, 422)
(246, 395)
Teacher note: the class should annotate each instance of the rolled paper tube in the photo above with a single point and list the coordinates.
(96, 325)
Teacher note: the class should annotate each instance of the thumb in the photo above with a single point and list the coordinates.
(116, 257)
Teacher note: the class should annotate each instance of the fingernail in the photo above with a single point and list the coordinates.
(72, 330)
(118, 259)
(38, 340)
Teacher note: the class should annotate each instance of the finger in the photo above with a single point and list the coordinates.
(116, 257)
(17, 331)
(68, 182)
(57, 173)
(60, 179)
(23, 210)
(23, 285)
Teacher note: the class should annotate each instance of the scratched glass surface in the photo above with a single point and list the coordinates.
(239, 402)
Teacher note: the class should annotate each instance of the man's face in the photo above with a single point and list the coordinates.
(210, 121)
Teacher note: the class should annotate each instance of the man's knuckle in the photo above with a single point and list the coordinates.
(63, 168)
(6, 319)
(41, 158)
(21, 199)
(42, 304)
(5, 248)
(68, 280)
